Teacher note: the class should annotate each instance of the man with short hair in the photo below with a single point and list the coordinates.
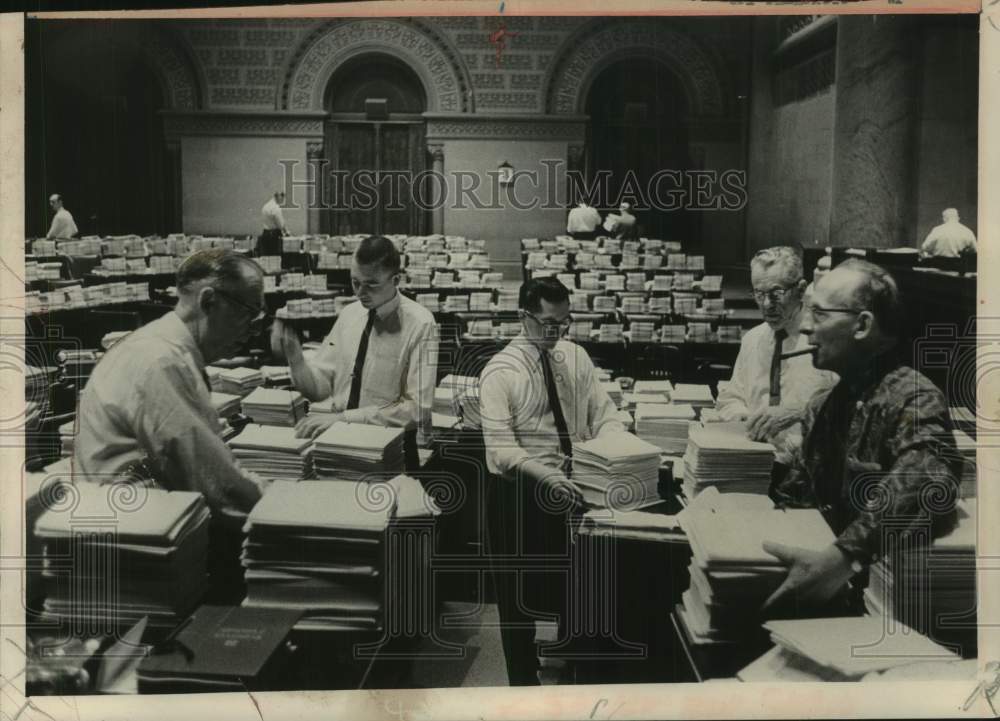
(63, 225)
(269, 242)
(147, 412)
(583, 221)
(951, 239)
(538, 396)
(379, 362)
(765, 391)
(878, 454)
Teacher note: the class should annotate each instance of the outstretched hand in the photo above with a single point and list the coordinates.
(814, 577)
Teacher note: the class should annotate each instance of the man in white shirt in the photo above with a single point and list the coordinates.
(63, 225)
(583, 221)
(765, 391)
(274, 226)
(379, 362)
(951, 239)
(146, 412)
(538, 396)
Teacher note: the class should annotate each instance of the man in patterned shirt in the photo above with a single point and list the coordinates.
(878, 456)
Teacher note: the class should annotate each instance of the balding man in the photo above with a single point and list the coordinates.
(765, 391)
(951, 239)
(63, 225)
(147, 411)
(878, 456)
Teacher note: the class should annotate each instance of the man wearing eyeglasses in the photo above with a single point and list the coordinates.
(146, 412)
(765, 391)
(379, 361)
(878, 458)
(538, 396)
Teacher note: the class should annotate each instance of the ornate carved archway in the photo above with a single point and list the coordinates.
(586, 53)
(438, 65)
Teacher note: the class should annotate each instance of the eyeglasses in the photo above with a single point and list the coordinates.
(775, 295)
(814, 309)
(558, 325)
(257, 314)
(369, 285)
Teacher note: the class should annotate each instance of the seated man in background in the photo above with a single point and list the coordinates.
(146, 412)
(583, 221)
(379, 362)
(951, 239)
(878, 455)
(765, 391)
(537, 396)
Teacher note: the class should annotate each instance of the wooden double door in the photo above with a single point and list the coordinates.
(369, 186)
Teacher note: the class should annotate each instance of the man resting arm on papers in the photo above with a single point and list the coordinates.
(878, 456)
(765, 391)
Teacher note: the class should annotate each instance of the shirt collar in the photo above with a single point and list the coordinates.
(389, 307)
(174, 329)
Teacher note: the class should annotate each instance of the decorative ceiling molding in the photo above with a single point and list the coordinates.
(267, 124)
(505, 127)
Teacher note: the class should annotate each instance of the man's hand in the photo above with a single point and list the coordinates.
(285, 341)
(814, 577)
(772, 420)
(312, 425)
(562, 492)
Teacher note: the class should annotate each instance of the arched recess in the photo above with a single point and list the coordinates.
(585, 54)
(438, 65)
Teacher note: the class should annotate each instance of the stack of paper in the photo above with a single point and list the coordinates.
(699, 333)
(158, 540)
(653, 391)
(617, 470)
(638, 525)
(456, 303)
(604, 303)
(664, 425)
(444, 401)
(932, 589)
(851, 647)
(273, 452)
(614, 282)
(275, 406)
(731, 574)
(614, 391)
(276, 375)
(430, 301)
(356, 451)
(698, 396)
(76, 366)
(480, 301)
(610, 333)
(225, 404)
(966, 447)
(67, 438)
(721, 455)
(672, 333)
(239, 381)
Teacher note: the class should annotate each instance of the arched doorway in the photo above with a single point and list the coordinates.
(93, 131)
(637, 109)
(374, 146)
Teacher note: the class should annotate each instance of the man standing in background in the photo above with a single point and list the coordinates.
(951, 239)
(274, 226)
(63, 225)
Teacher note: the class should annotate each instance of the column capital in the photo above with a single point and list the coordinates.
(436, 151)
(314, 149)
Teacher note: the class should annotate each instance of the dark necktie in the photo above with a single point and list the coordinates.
(359, 363)
(557, 412)
(779, 336)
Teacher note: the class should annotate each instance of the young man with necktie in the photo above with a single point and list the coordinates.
(538, 396)
(379, 362)
(765, 391)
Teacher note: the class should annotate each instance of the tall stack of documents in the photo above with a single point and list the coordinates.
(617, 470)
(664, 425)
(840, 649)
(653, 391)
(67, 438)
(225, 404)
(275, 407)
(731, 574)
(721, 455)
(318, 548)
(240, 381)
(273, 452)
(932, 589)
(697, 396)
(354, 451)
(120, 553)
(636, 525)
(276, 375)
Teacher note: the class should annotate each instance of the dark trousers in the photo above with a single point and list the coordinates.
(584, 235)
(529, 553)
(269, 242)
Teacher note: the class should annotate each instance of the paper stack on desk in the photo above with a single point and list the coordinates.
(225, 404)
(240, 381)
(277, 375)
(636, 525)
(664, 425)
(916, 584)
(617, 470)
(273, 452)
(76, 366)
(354, 451)
(444, 401)
(697, 396)
(721, 455)
(654, 391)
(67, 438)
(158, 541)
(731, 573)
(275, 406)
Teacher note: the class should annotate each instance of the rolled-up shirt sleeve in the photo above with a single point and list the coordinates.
(503, 453)
(184, 446)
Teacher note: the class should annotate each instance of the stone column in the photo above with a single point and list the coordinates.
(875, 134)
(576, 157)
(436, 151)
(317, 199)
(175, 219)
